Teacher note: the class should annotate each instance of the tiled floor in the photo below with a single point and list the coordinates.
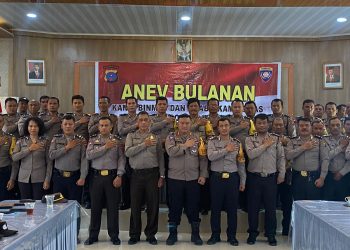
(184, 243)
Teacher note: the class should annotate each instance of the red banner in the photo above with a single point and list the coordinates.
(259, 82)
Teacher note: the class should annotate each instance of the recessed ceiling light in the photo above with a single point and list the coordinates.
(341, 19)
(185, 18)
(31, 15)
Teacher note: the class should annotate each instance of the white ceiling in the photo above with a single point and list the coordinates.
(138, 20)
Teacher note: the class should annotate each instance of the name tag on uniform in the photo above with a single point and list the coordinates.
(104, 172)
(225, 175)
(303, 173)
(66, 174)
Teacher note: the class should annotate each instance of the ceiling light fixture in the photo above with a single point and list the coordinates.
(31, 15)
(185, 18)
(341, 19)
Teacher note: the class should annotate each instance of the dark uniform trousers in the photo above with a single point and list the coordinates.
(224, 195)
(31, 190)
(68, 187)
(262, 189)
(163, 192)
(204, 203)
(304, 188)
(85, 198)
(103, 192)
(144, 188)
(125, 203)
(5, 174)
(242, 196)
(286, 199)
(183, 193)
(336, 190)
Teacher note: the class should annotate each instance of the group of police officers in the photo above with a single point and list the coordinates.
(251, 162)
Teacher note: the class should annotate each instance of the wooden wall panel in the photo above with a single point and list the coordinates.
(61, 53)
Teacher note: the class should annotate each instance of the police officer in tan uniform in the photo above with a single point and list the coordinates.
(68, 152)
(108, 163)
(127, 123)
(337, 177)
(81, 119)
(146, 157)
(104, 103)
(53, 118)
(227, 177)
(277, 111)
(35, 168)
(33, 111)
(285, 188)
(266, 169)
(7, 145)
(11, 118)
(187, 171)
(239, 125)
(310, 163)
(213, 117)
(162, 125)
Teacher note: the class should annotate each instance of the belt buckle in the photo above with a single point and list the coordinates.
(263, 174)
(225, 175)
(66, 174)
(303, 173)
(104, 172)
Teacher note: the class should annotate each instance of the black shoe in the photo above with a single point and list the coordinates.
(152, 240)
(133, 241)
(171, 239)
(116, 241)
(285, 232)
(78, 241)
(233, 241)
(213, 240)
(90, 241)
(251, 239)
(272, 241)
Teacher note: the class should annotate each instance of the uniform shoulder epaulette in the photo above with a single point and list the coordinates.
(211, 138)
(58, 135)
(170, 115)
(226, 116)
(293, 137)
(78, 136)
(325, 136)
(286, 115)
(8, 134)
(153, 115)
(123, 115)
(318, 137)
(112, 115)
(92, 136)
(254, 134)
(274, 134)
(43, 137)
(95, 114)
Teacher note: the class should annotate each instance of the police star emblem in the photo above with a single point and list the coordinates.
(265, 73)
(111, 74)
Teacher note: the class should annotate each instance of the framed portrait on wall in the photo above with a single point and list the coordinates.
(333, 75)
(183, 50)
(35, 71)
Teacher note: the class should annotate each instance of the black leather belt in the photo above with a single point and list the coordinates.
(66, 174)
(306, 173)
(223, 175)
(104, 172)
(265, 175)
